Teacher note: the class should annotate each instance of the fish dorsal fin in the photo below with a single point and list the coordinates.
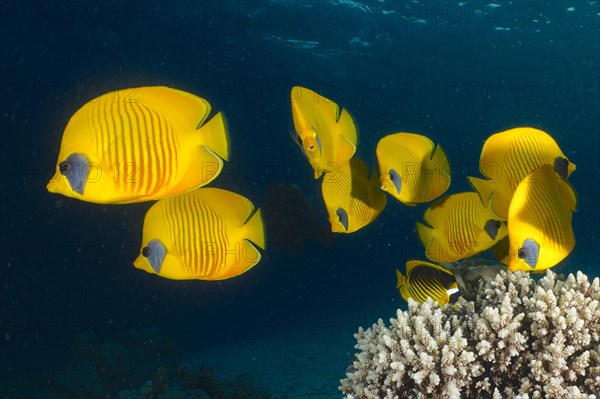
(229, 205)
(187, 109)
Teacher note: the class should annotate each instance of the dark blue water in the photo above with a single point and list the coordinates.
(456, 72)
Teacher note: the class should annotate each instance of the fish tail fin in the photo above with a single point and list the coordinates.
(255, 229)
(214, 136)
(401, 279)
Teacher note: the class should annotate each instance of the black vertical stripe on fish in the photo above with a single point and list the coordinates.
(210, 244)
(201, 227)
(188, 208)
(140, 169)
(161, 155)
(131, 158)
(148, 172)
(423, 286)
(167, 141)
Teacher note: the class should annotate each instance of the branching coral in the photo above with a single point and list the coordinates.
(517, 339)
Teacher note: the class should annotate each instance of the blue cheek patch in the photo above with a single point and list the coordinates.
(530, 252)
(78, 170)
(342, 217)
(396, 180)
(155, 252)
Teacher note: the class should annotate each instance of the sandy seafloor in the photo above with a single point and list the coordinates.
(291, 363)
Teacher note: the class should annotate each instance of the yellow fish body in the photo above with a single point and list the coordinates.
(411, 168)
(353, 200)
(507, 157)
(139, 144)
(328, 136)
(461, 227)
(423, 280)
(539, 221)
(206, 234)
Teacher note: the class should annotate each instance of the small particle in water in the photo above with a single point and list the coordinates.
(571, 9)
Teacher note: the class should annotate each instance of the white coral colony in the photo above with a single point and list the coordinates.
(517, 339)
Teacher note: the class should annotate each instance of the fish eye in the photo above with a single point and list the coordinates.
(64, 168)
(146, 252)
(522, 253)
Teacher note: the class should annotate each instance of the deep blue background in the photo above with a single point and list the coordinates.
(436, 68)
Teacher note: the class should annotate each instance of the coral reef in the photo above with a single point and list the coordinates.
(518, 338)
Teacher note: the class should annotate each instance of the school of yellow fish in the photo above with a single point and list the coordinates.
(163, 144)
(155, 143)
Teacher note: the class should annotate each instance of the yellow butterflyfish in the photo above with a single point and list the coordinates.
(328, 136)
(459, 226)
(206, 234)
(352, 198)
(139, 144)
(507, 157)
(425, 279)
(412, 168)
(540, 216)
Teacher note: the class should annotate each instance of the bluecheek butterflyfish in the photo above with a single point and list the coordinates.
(412, 168)
(540, 216)
(459, 226)
(507, 157)
(139, 144)
(206, 234)
(352, 198)
(327, 135)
